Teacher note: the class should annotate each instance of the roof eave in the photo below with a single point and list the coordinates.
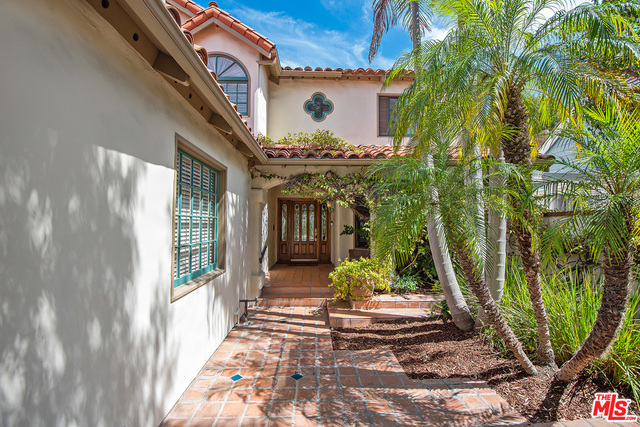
(156, 19)
(320, 162)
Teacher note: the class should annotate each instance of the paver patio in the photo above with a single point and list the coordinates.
(279, 369)
(250, 380)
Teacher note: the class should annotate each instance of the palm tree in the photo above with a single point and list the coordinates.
(606, 197)
(416, 19)
(412, 192)
(415, 16)
(500, 51)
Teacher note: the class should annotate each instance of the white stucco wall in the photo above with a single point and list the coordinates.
(217, 40)
(87, 149)
(355, 107)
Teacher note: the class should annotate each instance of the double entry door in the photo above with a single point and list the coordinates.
(304, 230)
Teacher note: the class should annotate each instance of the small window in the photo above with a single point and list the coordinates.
(385, 111)
(195, 219)
(233, 78)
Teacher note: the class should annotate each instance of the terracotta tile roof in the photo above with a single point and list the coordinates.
(371, 71)
(366, 152)
(279, 151)
(174, 13)
(190, 6)
(223, 17)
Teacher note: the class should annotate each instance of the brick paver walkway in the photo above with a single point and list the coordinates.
(280, 369)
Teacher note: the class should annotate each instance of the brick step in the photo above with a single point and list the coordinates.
(397, 301)
(343, 317)
(305, 284)
(297, 290)
(292, 302)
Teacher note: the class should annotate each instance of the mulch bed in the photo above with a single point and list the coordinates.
(436, 349)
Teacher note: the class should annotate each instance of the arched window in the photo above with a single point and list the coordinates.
(233, 77)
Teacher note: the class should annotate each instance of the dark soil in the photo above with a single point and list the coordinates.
(436, 349)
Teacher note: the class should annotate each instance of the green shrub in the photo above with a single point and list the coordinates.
(404, 284)
(420, 264)
(356, 273)
(572, 302)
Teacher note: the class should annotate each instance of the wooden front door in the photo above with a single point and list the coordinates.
(304, 230)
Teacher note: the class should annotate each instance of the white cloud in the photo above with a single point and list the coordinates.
(436, 33)
(301, 43)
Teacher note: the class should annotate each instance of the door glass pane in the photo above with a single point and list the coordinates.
(304, 222)
(312, 222)
(284, 223)
(296, 222)
(323, 232)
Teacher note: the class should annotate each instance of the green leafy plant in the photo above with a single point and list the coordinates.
(320, 138)
(572, 301)
(404, 284)
(442, 309)
(420, 265)
(364, 272)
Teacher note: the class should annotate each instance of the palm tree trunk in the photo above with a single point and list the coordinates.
(517, 150)
(415, 25)
(615, 294)
(497, 234)
(455, 300)
(492, 310)
(495, 266)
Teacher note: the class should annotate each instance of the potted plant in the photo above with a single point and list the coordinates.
(357, 279)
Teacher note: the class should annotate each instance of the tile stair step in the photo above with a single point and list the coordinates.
(292, 302)
(393, 301)
(283, 291)
(349, 318)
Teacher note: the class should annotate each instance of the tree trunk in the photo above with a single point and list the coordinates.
(455, 300)
(492, 311)
(415, 25)
(440, 253)
(517, 150)
(615, 294)
(496, 266)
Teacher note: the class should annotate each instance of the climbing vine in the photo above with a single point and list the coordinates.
(353, 191)
(318, 140)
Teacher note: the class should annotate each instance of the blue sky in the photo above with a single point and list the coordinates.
(319, 33)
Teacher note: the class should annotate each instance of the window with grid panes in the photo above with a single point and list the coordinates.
(233, 78)
(385, 114)
(196, 219)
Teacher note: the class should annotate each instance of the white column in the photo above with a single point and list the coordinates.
(258, 202)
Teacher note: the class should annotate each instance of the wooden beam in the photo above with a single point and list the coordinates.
(220, 123)
(166, 65)
(244, 150)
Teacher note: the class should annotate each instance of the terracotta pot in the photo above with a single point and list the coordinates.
(362, 293)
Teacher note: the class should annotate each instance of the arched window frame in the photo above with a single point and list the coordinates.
(231, 80)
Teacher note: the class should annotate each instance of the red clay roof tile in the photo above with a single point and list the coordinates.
(174, 13)
(190, 6)
(224, 18)
(279, 151)
(202, 53)
(188, 35)
(355, 71)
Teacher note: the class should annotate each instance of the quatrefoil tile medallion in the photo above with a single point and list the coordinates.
(318, 106)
